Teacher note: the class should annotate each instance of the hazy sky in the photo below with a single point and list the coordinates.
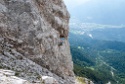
(97, 11)
(74, 3)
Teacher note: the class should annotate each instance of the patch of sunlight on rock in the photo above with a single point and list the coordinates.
(80, 80)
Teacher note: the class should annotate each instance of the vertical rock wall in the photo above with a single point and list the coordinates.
(37, 29)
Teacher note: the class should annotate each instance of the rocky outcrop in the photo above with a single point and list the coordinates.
(8, 77)
(33, 39)
(49, 80)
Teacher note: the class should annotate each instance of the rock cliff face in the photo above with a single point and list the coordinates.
(33, 35)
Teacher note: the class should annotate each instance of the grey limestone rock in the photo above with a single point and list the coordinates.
(8, 77)
(36, 31)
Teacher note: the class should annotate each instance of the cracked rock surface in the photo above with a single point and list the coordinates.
(33, 39)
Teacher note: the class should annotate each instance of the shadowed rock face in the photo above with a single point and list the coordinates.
(38, 30)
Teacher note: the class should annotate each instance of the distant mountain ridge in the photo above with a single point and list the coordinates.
(98, 31)
(109, 34)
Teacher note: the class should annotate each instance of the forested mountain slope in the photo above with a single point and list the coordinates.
(99, 60)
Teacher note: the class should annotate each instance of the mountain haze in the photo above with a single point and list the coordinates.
(100, 11)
